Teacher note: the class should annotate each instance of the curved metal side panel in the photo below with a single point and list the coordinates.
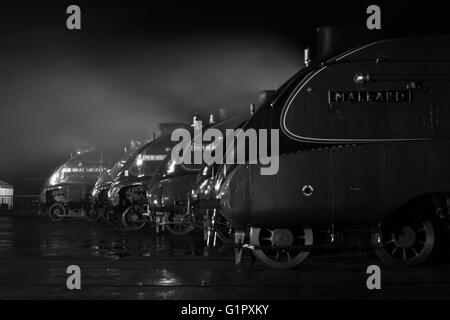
(440, 50)
(408, 48)
(359, 182)
(416, 169)
(236, 198)
(392, 102)
(372, 181)
(348, 185)
(174, 191)
(300, 191)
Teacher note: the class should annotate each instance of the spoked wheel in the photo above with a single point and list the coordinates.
(281, 258)
(406, 240)
(57, 211)
(176, 223)
(133, 218)
(92, 213)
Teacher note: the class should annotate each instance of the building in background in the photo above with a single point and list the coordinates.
(6, 195)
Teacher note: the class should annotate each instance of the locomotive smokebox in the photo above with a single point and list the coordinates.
(333, 40)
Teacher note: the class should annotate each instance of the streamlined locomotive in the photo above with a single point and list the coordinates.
(364, 144)
(67, 192)
(204, 198)
(170, 188)
(101, 187)
(127, 192)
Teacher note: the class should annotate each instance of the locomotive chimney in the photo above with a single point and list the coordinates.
(222, 114)
(252, 108)
(307, 57)
(195, 121)
(211, 119)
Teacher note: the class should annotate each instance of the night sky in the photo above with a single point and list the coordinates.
(134, 65)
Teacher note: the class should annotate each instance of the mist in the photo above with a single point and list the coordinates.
(61, 91)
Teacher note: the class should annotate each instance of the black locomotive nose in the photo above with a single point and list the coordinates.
(234, 196)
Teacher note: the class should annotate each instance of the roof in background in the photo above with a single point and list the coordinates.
(4, 184)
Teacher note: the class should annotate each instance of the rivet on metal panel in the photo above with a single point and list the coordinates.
(307, 190)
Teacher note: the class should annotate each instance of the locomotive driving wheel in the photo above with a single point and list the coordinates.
(405, 240)
(176, 223)
(133, 218)
(282, 247)
(57, 211)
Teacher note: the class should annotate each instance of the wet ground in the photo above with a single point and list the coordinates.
(35, 252)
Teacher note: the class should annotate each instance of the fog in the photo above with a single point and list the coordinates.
(61, 91)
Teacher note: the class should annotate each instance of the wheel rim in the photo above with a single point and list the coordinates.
(56, 212)
(133, 218)
(177, 224)
(406, 241)
(281, 258)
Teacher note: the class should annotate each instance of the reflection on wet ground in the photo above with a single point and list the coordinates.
(35, 252)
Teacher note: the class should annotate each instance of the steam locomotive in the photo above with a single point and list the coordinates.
(364, 146)
(126, 196)
(102, 185)
(170, 188)
(203, 196)
(67, 192)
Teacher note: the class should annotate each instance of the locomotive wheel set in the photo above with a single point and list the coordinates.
(364, 147)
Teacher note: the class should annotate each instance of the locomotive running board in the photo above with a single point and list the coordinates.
(300, 248)
(70, 216)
